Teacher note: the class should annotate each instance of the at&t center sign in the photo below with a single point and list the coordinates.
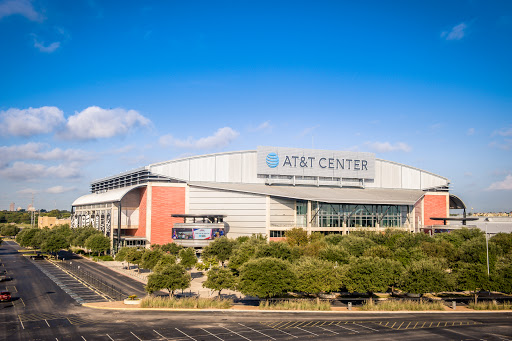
(315, 163)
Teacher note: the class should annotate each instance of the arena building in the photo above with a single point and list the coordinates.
(266, 191)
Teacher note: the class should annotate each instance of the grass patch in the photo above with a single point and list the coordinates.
(295, 305)
(185, 302)
(489, 305)
(106, 258)
(402, 305)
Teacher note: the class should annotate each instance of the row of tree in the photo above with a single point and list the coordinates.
(63, 237)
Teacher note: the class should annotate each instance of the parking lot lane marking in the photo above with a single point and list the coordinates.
(257, 331)
(208, 333)
(360, 325)
(408, 325)
(282, 331)
(22, 302)
(136, 336)
(352, 330)
(400, 325)
(47, 323)
(307, 331)
(501, 336)
(285, 325)
(109, 337)
(21, 322)
(83, 338)
(327, 330)
(423, 324)
(237, 333)
(185, 334)
(161, 334)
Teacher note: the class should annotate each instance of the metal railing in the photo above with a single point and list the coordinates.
(107, 289)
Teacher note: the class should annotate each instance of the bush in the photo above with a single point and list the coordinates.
(395, 305)
(187, 303)
(490, 305)
(295, 305)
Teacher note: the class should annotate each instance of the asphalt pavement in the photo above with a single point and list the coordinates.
(43, 310)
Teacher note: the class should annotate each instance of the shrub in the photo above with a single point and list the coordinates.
(491, 305)
(395, 305)
(295, 305)
(187, 303)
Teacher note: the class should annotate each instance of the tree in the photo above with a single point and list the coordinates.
(134, 256)
(266, 277)
(9, 230)
(170, 277)
(98, 243)
(219, 279)
(188, 257)
(379, 251)
(474, 251)
(314, 276)
(297, 236)
(150, 258)
(244, 252)
(471, 276)
(368, 274)
(356, 245)
(172, 248)
(426, 275)
(165, 260)
(26, 237)
(501, 276)
(334, 254)
(121, 254)
(221, 248)
(503, 241)
(276, 250)
(81, 234)
(54, 243)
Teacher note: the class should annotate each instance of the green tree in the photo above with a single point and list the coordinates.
(266, 277)
(471, 277)
(121, 254)
(221, 248)
(474, 251)
(188, 257)
(356, 245)
(277, 250)
(150, 258)
(171, 277)
(172, 248)
(503, 242)
(9, 230)
(134, 256)
(81, 234)
(368, 274)
(314, 276)
(426, 275)
(333, 239)
(297, 236)
(501, 276)
(98, 243)
(165, 260)
(26, 237)
(244, 252)
(379, 251)
(54, 243)
(219, 279)
(335, 254)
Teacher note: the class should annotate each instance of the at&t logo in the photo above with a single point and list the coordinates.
(272, 160)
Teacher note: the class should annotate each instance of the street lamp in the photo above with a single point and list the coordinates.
(487, 244)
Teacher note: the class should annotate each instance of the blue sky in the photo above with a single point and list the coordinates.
(89, 89)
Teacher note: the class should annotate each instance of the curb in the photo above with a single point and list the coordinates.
(88, 305)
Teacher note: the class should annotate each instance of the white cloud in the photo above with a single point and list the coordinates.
(32, 171)
(26, 191)
(21, 7)
(308, 130)
(384, 147)
(96, 123)
(36, 151)
(46, 48)
(59, 189)
(31, 121)
(502, 185)
(221, 138)
(265, 126)
(456, 33)
(503, 132)
(471, 131)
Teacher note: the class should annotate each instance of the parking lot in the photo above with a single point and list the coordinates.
(78, 290)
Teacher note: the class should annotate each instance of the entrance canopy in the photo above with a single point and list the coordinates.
(114, 195)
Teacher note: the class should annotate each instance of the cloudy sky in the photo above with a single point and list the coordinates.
(89, 89)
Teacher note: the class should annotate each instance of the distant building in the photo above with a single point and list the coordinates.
(31, 208)
(11, 207)
(19, 208)
(51, 222)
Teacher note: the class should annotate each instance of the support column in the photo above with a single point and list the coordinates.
(308, 217)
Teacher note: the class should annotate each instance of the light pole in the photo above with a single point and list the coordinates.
(487, 244)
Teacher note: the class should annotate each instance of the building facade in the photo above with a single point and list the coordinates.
(265, 191)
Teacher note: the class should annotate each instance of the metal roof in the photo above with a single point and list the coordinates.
(114, 195)
(324, 194)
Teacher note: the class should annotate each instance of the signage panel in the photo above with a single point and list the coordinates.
(313, 162)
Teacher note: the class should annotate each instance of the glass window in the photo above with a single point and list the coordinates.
(274, 234)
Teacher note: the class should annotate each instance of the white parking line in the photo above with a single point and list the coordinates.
(352, 330)
(47, 323)
(109, 337)
(83, 338)
(21, 322)
(212, 334)
(282, 331)
(326, 329)
(185, 334)
(360, 325)
(136, 336)
(257, 331)
(160, 334)
(237, 333)
(307, 331)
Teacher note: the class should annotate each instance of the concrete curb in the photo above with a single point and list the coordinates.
(237, 311)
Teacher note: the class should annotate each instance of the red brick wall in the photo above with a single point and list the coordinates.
(141, 231)
(276, 239)
(434, 206)
(166, 201)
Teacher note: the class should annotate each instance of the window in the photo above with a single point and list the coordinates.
(276, 234)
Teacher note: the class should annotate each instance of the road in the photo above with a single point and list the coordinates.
(43, 309)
